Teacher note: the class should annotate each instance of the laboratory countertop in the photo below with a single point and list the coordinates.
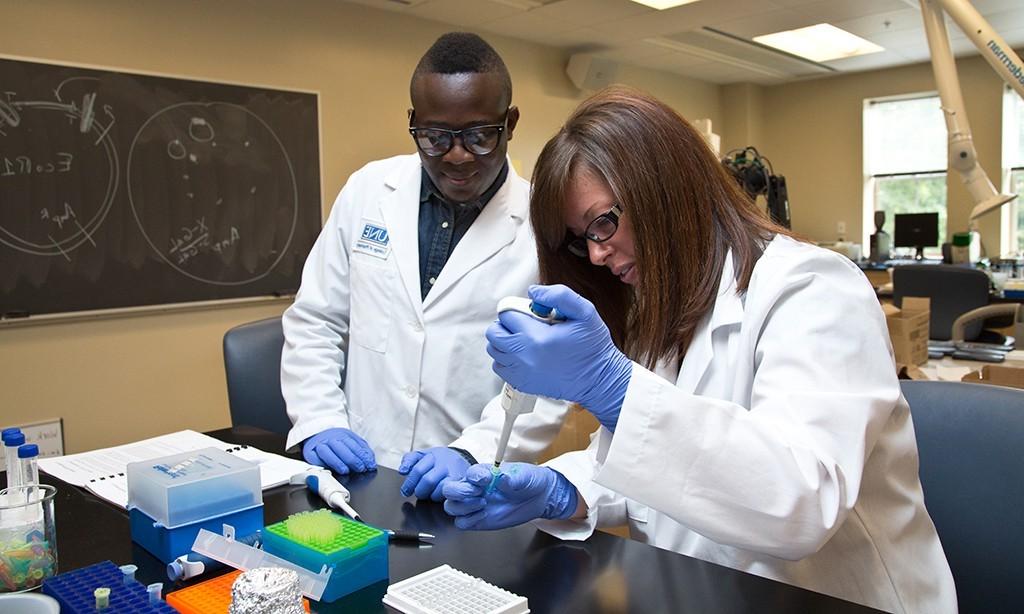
(602, 574)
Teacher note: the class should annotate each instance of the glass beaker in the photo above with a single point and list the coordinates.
(28, 537)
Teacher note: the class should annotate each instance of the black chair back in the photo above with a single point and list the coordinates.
(953, 291)
(969, 438)
(252, 363)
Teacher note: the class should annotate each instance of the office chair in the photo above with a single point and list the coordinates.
(953, 290)
(252, 363)
(968, 438)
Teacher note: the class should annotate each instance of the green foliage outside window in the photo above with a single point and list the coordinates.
(923, 193)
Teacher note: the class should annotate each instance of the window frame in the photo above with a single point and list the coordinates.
(1011, 226)
(870, 179)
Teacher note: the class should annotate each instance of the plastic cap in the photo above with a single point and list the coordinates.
(13, 440)
(11, 431)
(28, 450)
(539, 309)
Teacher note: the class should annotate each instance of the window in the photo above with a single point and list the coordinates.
(904, 162)
(1013, 169)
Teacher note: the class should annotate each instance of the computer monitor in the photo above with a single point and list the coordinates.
(917, 230)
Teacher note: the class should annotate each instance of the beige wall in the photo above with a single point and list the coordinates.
(119, 379)
(812, 133)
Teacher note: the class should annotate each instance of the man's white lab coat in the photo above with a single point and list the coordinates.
(364, 351)
(784, 447)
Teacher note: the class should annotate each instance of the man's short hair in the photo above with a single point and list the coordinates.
(463, 52)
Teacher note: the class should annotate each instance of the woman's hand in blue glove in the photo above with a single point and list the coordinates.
(524, 492)
(574, 360)
(429, 470)
(340, 450)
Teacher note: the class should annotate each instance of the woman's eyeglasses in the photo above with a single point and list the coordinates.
(599, 230)
(478, 140)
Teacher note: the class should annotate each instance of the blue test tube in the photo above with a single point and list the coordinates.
(14, 478)
(28, 457)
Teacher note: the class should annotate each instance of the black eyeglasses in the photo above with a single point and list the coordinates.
(599, 230)
(477, 140)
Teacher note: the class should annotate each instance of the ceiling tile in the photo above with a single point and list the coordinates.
(670, 61)
(461, 12)
(766, 23)
(578, 39)
(683, 18)
(986, 7)
(589, 12)
(869, 62)
(900, 38)
(528, 26)
(717, 73)
(632, 52)
(794, 3)
(616, 28)
(831, 11)
(882, 23)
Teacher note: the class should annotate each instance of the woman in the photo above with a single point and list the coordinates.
(752, 417)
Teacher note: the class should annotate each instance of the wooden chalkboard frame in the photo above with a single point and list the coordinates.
(209, 101)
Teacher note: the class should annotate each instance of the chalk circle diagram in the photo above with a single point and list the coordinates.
(45, 176)
(202, 177)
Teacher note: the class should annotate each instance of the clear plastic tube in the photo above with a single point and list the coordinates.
(14, 480)
(28, 466)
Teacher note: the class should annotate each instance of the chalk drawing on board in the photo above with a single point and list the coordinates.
(78, 151)
(199, 176)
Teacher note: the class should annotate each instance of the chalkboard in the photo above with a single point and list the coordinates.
(125, 190)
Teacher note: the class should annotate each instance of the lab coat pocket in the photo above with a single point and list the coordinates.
(372, 297)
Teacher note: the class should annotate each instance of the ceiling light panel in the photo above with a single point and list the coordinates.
(661, 5)
(820, 43)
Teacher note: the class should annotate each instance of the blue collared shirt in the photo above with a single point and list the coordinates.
(443, 224)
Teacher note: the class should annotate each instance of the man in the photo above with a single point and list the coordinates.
(384, 346)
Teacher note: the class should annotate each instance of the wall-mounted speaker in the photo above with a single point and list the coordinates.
(591, 73)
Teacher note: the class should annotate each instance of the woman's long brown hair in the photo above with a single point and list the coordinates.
(685, 209)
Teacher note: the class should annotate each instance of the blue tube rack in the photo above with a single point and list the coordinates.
(74, 591)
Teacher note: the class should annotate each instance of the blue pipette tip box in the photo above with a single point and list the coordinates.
(74, 591)
(171, 498)
(168, 544)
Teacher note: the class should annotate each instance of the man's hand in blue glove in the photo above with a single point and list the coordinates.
(429, 470)
(574, 360)
(523, 492)
(340, 450)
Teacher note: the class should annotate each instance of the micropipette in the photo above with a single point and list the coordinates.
(330, 490)
(514, 402)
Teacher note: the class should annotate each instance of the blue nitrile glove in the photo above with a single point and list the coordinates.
(574, 360)
(523, 492)
(340, 450)
(429, 469)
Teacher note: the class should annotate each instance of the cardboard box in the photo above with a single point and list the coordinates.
(1012, 377)
(908, 329)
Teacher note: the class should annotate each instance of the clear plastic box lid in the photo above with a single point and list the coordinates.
(192, 486)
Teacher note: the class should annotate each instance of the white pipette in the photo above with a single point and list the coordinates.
(322, 482)
(516, 403)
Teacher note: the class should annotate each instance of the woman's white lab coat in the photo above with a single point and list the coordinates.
(364, 351)
(784, 448)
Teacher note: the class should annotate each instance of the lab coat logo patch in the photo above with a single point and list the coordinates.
(373, 240)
